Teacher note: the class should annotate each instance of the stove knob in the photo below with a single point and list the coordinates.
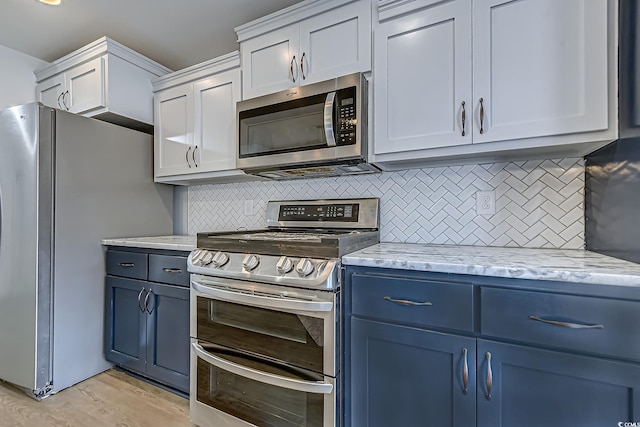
(305, 267)
(250, 262)
(201, 257)
(220, 259)
(206, 258)
(284, 265)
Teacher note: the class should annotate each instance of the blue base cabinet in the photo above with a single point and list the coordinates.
(406, 376)
(147, 322)
(533, 387)
(429, 349)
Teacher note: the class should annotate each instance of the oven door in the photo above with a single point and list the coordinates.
(294, 326)
(230, 388)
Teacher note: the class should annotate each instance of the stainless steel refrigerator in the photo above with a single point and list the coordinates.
(66, 182)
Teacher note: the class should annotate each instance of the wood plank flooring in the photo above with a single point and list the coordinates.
(109, 399)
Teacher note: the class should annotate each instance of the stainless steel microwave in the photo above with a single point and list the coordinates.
(309, 131)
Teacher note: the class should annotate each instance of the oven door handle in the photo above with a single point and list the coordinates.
(328, 119)
(263, 377)
(263, 301)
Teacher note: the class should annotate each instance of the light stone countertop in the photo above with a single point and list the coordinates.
(577, 266)
(173, 243)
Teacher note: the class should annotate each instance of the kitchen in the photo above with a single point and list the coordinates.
(539, 199)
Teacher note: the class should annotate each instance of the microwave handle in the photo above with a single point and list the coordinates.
(328, 119)
(264, 377)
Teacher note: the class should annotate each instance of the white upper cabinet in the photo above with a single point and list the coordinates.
(540, 67)
(174, 131)
(309, 42)
(195, 123)
(529, 78)
(85, 87)
(104, 80)
(214, 122)
(422, 80)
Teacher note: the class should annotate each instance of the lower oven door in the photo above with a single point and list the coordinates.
(232, 388)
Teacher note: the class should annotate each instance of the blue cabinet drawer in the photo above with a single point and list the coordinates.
(168, 269)
(411, 301)
(586, 324)
(127, 264)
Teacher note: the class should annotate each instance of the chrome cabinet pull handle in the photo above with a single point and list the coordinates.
(407, 302)
(186, 157)
(126, 264)
(60, 105)
(64, 102)
(464, 118)
(139, 298)
(193, 156)
(293, 60)
(172, 270)
(489, 376)
(302, 66)
(566, 324)
(481, 116)
(465, 373)
(146, 302)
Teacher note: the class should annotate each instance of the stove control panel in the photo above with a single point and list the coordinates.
(310, 273)
(342, 214)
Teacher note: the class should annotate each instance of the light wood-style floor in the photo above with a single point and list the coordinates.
(106, 400)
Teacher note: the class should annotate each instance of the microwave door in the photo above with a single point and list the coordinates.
(329, 122)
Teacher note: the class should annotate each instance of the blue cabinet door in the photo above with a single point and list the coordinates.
(527, 387)
(125, 323)
(403, 376)
(168, 335)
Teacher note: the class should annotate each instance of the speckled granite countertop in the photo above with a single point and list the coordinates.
(575, 266)
(174, 243)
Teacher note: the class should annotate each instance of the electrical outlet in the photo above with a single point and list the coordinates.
(248, 207)
(486, 202)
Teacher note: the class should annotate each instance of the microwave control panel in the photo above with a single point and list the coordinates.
(346, 129)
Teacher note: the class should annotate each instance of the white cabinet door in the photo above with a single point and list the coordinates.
(173, 131)
(270, 62)
(422, 82)
(50, 91)
(540, 67)
(335, 43)
(86, 86)
(215, 118)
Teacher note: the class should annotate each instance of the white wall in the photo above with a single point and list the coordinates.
(17, 81)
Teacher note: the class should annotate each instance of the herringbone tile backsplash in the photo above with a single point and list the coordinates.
(539, 204)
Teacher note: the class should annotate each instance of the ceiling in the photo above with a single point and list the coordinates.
(175, 33)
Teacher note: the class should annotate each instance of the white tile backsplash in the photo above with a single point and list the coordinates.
(539, 204)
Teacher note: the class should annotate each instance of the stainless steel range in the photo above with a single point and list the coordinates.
(265, 345)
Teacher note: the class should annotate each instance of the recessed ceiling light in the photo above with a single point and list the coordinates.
(51, 2)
